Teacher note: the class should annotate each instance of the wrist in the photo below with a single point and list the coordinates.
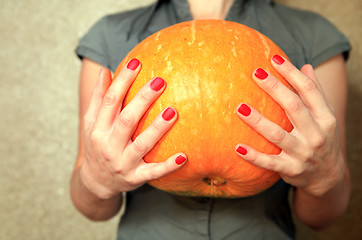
(320, 208)
(91, 188)
(319, 211)
(90, 204)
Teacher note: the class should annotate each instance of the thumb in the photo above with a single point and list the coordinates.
(151, 171)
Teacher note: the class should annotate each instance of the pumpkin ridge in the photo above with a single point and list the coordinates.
(208, 67)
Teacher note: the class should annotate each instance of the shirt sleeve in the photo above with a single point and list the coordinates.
(327, 41)
(110, 39)
(319, 38)
(93, 45)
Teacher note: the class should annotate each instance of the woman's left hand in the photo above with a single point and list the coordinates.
(311, 158)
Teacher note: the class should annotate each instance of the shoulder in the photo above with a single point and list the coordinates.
(307, 23)
(112, 36)
(320, 38)
(297, 16)
(124, 21)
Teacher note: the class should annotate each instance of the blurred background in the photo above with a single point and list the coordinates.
(39, 106)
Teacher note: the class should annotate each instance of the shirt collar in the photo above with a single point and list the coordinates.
(182, 10)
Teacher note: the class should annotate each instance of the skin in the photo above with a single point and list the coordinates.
(216, 9)
(313, 157)
(109, 163)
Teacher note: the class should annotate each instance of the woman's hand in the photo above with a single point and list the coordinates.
(311, 158)
(113, 163)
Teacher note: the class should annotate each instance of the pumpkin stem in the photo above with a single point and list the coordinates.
(214, 181)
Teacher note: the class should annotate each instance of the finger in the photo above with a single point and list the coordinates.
(100, 88)
(266, 161)
(271, 131)
(148, 138)
(282, 163)
(306, 84)
(297, 112)
(308, 71)
(152, 171)
(130, 116)
(113, 98)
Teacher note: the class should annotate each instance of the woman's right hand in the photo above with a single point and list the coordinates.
(112, 162)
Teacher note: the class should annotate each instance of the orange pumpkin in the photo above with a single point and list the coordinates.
(208, 66)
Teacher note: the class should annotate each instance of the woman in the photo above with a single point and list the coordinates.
(312, 162)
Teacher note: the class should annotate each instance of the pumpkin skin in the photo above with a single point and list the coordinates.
(208, 67)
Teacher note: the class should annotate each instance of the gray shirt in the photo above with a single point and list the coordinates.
(304, 36)
(152, 214)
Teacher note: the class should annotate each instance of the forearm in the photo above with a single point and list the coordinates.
(89, 204)
(320, 211)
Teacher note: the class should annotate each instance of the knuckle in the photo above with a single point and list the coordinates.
(330, 124)
(107, 153)
(152, 176)
(121, 77)
(308, 155)
(256, 120)
(119, 170)
(274, 84)
(296, 172)
(140, 146)
(95, 137)
(278, 136)
(110, 98)
(294, 104)
(289, 69)
(318, 141)
(158, 126)
(271, 164)
(309, 85)
(145, 96)
(131, 181)
(126, 119)
(124, 76)
(147, 174)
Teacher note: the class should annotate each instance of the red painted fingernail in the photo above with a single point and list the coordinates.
(241, 150)
(244, 110)
(133, 64)
(157, 84)
(278, 59)
(260, 73)
(180, 160)
(168, 114)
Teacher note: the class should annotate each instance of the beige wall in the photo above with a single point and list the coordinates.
(38, 115)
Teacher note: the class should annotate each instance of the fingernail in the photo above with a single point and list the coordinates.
(278, 59)
(157, 84)
(244, 110)
(133, 64)
(180, 160)
(168, 114)
(260, 73)
(241, 150)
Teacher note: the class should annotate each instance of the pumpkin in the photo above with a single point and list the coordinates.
(208, 67)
